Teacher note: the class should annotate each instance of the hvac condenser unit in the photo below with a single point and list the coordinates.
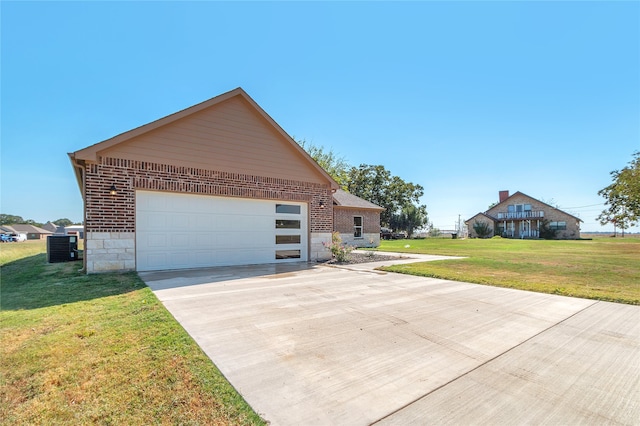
(62, 248)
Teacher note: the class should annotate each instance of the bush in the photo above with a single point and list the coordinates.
(546, 232)
(339, 251)
(483, 229)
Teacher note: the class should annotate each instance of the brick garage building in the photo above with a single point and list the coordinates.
(219, 183)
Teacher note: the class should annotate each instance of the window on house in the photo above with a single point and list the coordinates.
(287, 208)
(287, 254)
(287, 239)
(558, 226)
(357, 227)
(287, 224)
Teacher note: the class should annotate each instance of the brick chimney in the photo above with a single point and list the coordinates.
(503, 195)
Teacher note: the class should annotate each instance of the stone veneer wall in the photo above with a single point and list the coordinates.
(319, 246)
(110, 251)
(110, 219)
(368, 240)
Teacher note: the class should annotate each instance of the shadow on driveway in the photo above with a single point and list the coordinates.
(163, 280)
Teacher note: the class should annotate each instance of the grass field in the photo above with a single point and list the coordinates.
(99, 349)
(102, 349)
(602, 268)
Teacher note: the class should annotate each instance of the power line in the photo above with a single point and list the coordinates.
(580, 207)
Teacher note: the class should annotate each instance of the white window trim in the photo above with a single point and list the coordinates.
(361, 227)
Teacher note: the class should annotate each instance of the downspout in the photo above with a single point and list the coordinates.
(84, 220)
(79, 169)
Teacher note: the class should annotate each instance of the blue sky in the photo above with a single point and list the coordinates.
(464, 98)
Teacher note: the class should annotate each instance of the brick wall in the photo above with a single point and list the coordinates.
(116, 213)
(110, 219)
(343, 220)
(343, 223)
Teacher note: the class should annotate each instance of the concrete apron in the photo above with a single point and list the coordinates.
(309, 344)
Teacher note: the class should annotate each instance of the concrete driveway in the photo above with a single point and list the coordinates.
(309, 344)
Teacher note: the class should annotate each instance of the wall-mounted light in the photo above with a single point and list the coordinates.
(322, 204)
(113, 190)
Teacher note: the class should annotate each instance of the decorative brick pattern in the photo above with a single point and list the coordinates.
(116, 213)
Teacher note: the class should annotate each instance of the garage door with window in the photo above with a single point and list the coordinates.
(180, 231)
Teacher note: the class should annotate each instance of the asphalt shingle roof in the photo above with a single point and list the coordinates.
(344, 199)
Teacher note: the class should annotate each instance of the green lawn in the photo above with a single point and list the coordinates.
(602, 268)
(99, 349)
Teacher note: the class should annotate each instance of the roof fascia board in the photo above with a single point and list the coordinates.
(358, 208)
(479, 214)
(77, 166)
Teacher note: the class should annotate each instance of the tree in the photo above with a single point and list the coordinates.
(546, 231)
(9, 219)
(376, 184)
(63, 222)
(483, 229)
(434, 232)
(623, 196)
(337, 167)
(409, 219)
(372, 183)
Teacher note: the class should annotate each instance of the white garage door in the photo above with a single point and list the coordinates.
(178, 231)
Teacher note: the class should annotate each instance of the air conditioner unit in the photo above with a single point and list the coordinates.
(62, 248)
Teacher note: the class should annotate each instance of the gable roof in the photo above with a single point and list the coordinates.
(342, 198)
(91, 153)
(50, 226)
(24, 229)
(535, 199)
(479, 214)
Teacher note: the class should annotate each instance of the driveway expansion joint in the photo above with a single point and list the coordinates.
(485, 363)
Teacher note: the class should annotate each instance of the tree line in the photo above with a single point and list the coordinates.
(376, 184)
(10, 219)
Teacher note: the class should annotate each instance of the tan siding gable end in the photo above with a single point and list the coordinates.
(229, 137)
(230, 132)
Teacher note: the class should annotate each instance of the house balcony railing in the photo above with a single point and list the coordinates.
(530, 214)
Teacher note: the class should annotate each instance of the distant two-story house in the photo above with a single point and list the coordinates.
(522, 216)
